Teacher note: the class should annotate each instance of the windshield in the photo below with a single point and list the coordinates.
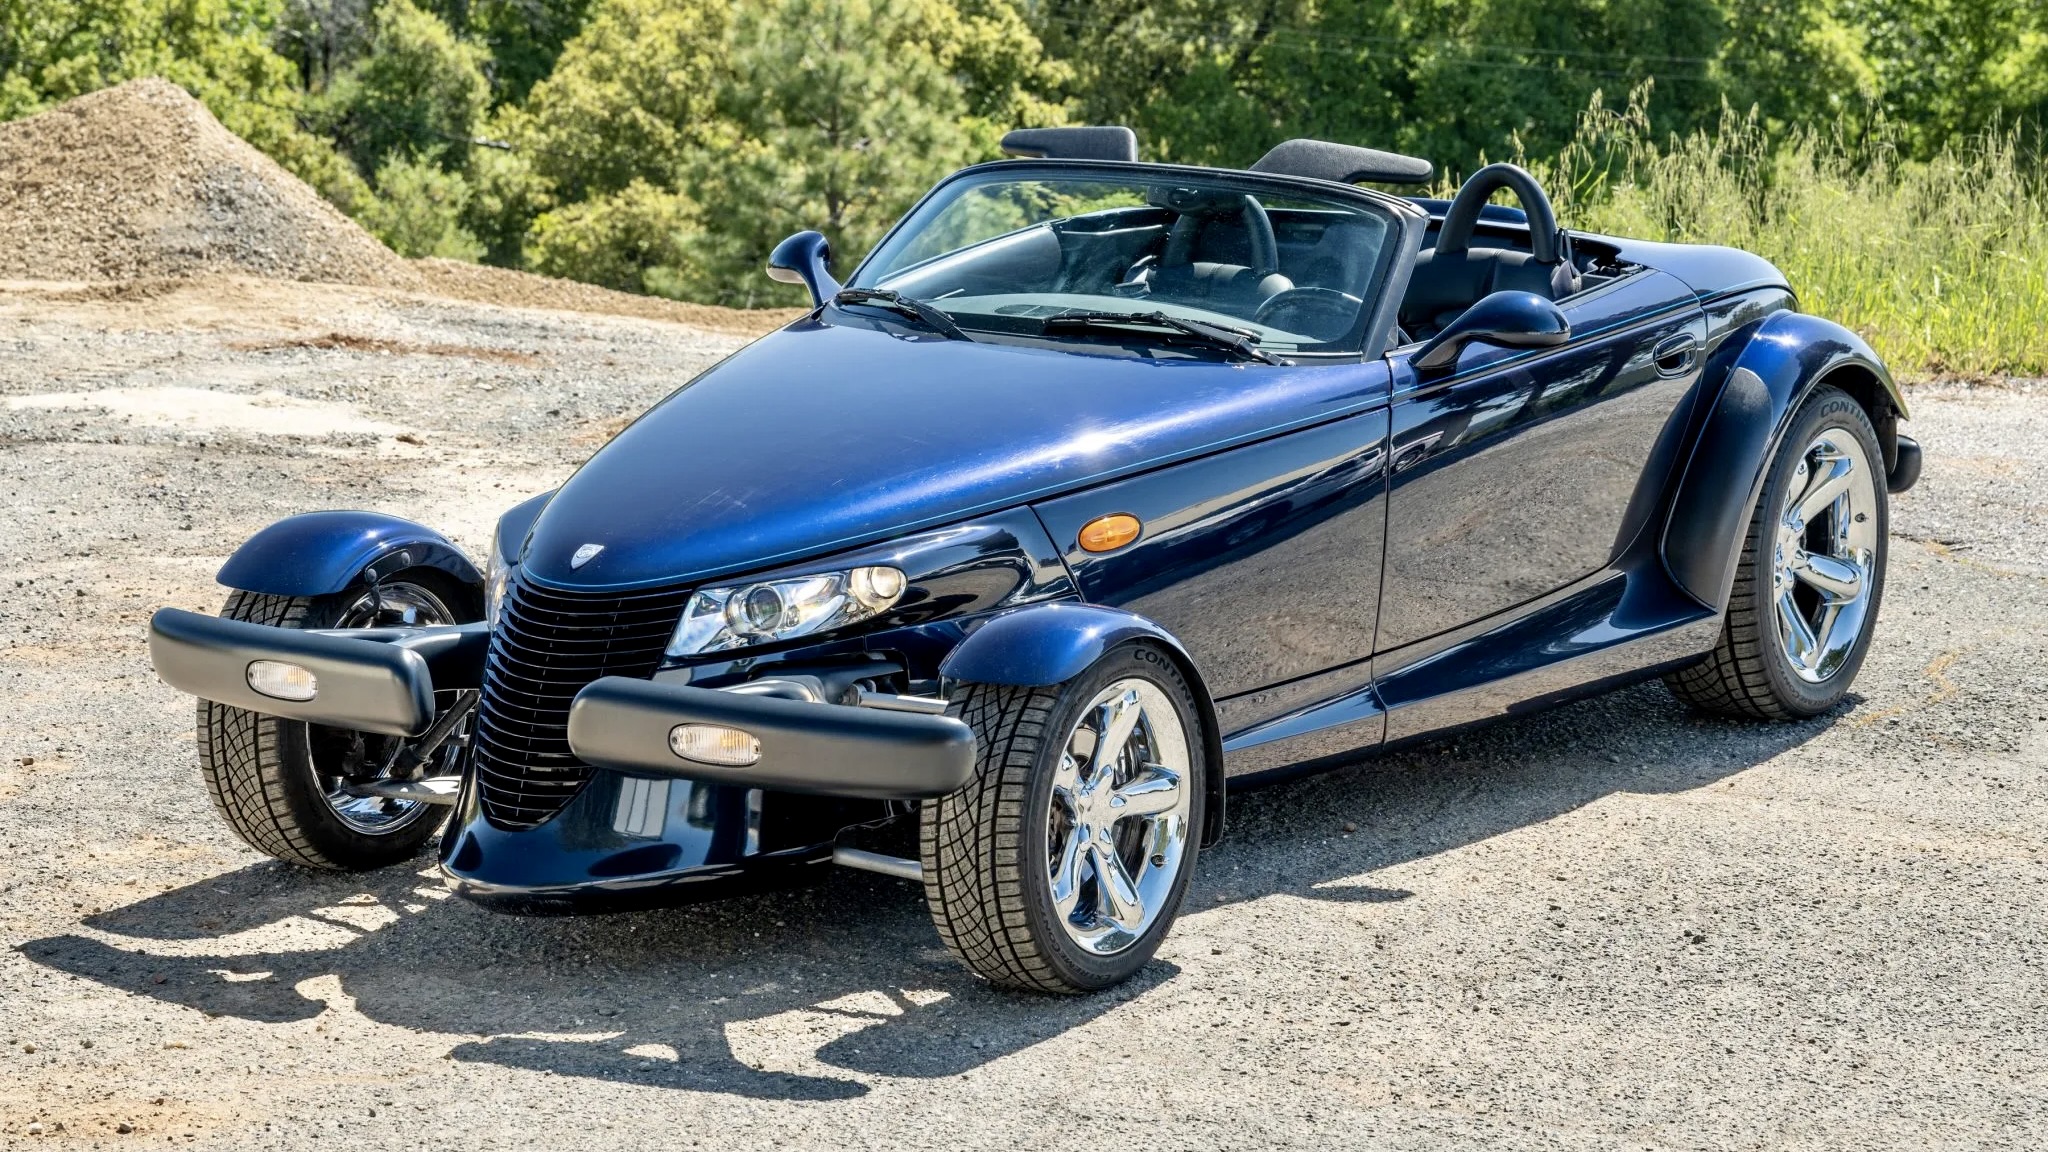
(1005, 251)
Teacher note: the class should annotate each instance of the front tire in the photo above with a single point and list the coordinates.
(1811, 577)
(1062, 865)
(280, 784)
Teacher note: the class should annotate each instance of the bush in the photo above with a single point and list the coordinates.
(418, 209)
(615, 240)
(505, 197)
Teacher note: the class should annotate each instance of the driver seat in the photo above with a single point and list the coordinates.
(1453, 276)
(1216, 255)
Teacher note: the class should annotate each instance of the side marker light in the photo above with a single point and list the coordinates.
(1109, 533)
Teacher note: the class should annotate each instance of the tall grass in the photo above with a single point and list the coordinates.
(1942, 265)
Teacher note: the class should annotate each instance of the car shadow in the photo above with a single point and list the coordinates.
(803, 994)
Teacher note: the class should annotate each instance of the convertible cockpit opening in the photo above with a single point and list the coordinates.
(1004, 251)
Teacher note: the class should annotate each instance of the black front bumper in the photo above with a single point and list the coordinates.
(384, 681)
(374, 680)
(649, 827)
(816, 749)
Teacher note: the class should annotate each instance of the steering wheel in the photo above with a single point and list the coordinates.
(1325, 313)
(1258, 230)
(1455, 237)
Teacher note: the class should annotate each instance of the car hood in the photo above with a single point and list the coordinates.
(825, 436)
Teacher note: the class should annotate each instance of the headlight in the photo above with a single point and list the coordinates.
(741, 614)
(497, 574)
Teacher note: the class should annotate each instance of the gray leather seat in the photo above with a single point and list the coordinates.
(1454, 275)
(1226, 255)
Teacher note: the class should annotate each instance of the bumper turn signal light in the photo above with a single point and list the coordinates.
(715, 744)
(281, 681)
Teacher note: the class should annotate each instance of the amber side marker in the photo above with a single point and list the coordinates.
(1109, 533)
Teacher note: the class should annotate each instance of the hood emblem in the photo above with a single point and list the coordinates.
(585, 555)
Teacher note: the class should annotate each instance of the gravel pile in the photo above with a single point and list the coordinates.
(139, 188)
(140, 180)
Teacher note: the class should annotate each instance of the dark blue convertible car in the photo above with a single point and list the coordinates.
(1099, 486)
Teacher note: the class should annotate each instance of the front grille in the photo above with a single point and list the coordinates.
(549, 644)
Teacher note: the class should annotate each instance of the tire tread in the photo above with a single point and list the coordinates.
(970, 846)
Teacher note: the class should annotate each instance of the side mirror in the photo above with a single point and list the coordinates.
(802, 259)
(1509, 319)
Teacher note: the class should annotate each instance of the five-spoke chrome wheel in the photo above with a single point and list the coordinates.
(1118, 822)
(1825, 548)
(1062, 864)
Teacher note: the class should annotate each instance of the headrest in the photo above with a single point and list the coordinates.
(1091, 143)
(1344, 163)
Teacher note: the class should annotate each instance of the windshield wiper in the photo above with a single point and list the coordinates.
(1239, 340)
(902, 305)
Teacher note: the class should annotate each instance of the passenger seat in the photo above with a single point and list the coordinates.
(1445, 284)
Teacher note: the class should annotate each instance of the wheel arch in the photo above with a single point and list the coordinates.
(320, 553)
(1045, 644)
(1776, 366)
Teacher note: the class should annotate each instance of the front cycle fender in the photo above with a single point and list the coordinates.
(320, 553)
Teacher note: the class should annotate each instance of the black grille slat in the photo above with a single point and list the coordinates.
(549, 644)
(544, 668)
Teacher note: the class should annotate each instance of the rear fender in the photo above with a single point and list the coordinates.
(1783, 359)
(1046, 644)
(320, 553)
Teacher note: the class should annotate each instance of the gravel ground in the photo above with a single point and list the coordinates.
(1613, 926)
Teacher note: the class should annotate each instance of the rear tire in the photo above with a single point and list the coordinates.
(1014, 862)
(271, 778)
(1790, 648)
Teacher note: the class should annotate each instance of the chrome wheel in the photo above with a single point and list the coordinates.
(1118, 824)
(340, 756)
(1825, 551)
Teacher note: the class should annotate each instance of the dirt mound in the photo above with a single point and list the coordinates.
(488, 285)
(141, 181)
(139, 188)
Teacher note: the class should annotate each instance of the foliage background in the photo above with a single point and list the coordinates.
(1885, 152)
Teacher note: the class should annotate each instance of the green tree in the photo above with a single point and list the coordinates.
(1945, 68)
(1796, 62)
(629, 99)
(1007, 78)
(419, 93)
(525, 37)
(1221, 81)
(321, 37)
(846, 111)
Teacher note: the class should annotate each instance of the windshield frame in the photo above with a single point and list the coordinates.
(1406, 223)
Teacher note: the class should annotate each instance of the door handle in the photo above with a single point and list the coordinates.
(1675, 354)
